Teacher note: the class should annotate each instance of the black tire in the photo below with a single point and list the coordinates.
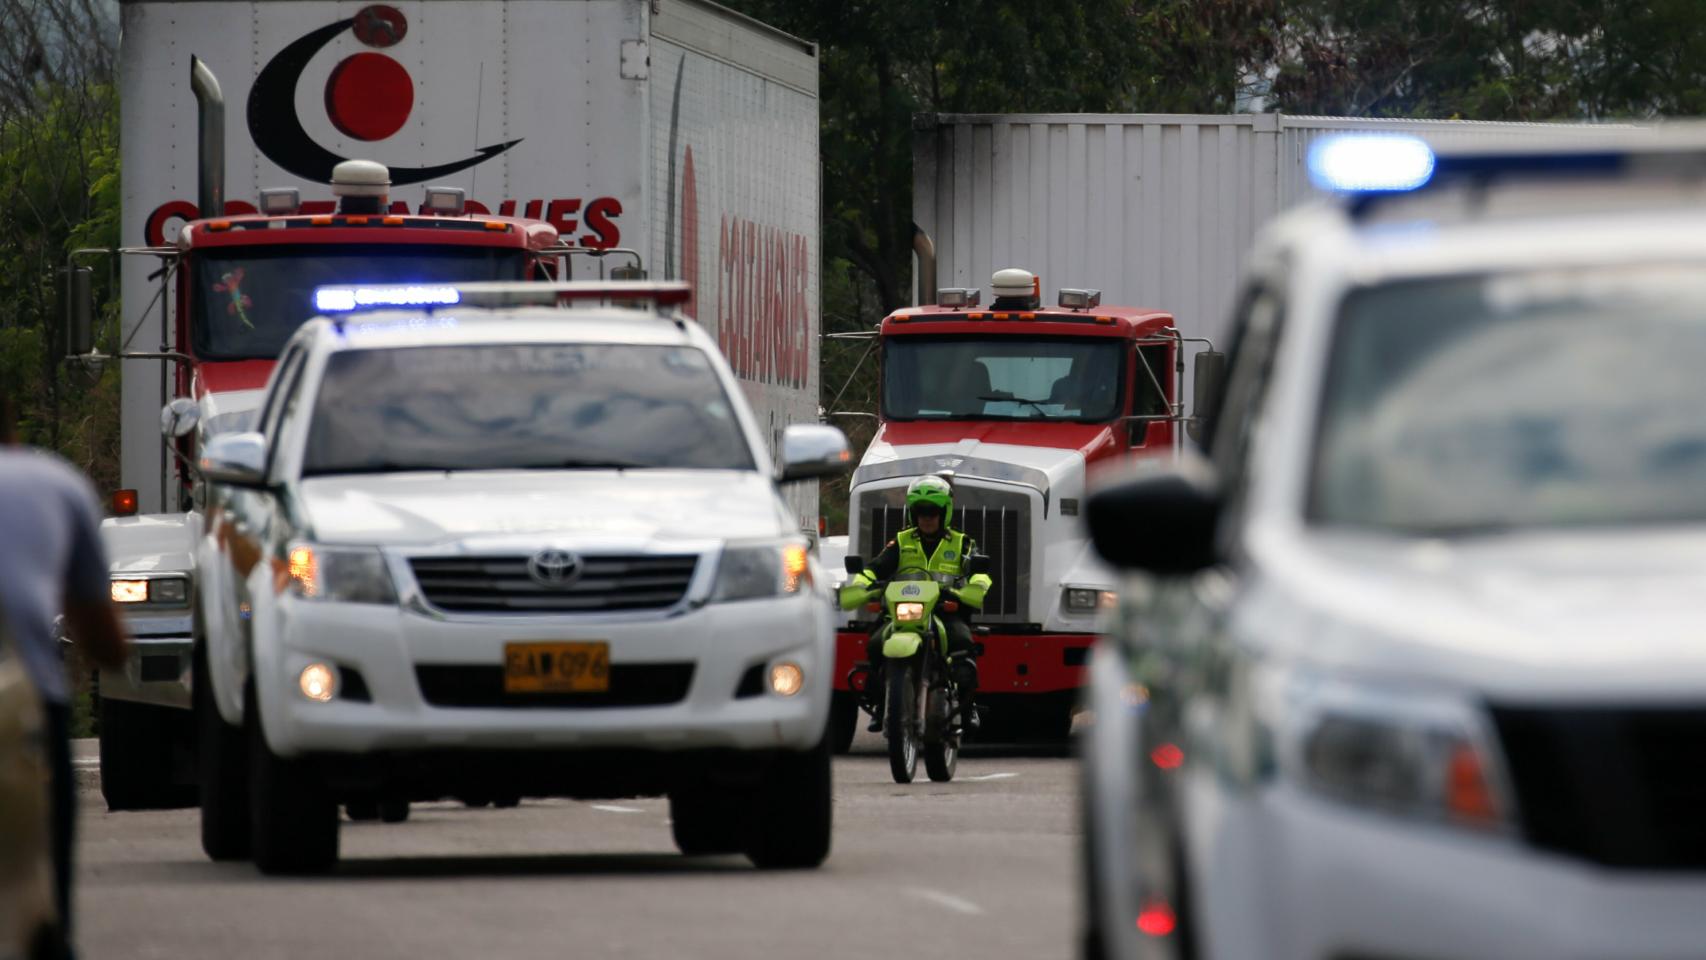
(362, 811)
(222, 772)
(293, 818)
(393, 811)
(942, 756)
(706, 821)
(792, 811)
(139, 756)
(901, 721)
(508, 801)
(843, 721)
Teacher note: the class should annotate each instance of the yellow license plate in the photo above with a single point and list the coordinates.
(556, 667)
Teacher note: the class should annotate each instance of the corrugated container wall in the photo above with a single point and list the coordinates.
(1152, 209)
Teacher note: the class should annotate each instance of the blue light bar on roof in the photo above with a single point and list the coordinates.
(1365, 163)
(345, 299)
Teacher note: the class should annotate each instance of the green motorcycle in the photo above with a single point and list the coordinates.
(922, 699)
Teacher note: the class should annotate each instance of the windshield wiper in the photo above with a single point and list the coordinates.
(387, 467)
(1009, 398)
(577, 464)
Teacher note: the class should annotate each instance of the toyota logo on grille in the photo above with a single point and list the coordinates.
(554, 568)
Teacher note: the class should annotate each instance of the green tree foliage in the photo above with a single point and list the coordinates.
(59, 190)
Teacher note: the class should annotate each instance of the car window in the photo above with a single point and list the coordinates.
(523, 406)
(1554, 398)
(282, 380)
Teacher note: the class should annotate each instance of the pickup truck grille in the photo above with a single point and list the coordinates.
(1617, 787)
(1000, 523)
(604, 584)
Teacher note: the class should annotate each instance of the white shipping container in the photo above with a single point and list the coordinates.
(1154, 210)
(675, 127)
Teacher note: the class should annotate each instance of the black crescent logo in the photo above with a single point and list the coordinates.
(278, 132)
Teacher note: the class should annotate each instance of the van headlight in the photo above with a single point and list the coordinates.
(756, 571)
(1420, 755)
(338, 574)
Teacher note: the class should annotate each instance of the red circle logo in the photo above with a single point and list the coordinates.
(369, 96)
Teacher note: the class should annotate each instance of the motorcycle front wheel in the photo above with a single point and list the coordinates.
(942, 752)
(902, 723)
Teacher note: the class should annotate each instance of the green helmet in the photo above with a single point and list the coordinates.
(934, 491)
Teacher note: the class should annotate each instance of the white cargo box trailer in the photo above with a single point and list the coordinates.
(1154, 210)
(675, 127)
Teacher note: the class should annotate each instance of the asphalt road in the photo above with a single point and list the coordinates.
(980, 867)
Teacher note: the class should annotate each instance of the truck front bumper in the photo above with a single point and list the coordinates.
(1012, 663)
(157, 671)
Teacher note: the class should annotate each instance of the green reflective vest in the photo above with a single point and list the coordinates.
(950, 553)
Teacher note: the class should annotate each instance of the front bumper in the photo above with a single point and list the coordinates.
(157, 671)
(724, 651)
(1012, 663)
(1313, 880)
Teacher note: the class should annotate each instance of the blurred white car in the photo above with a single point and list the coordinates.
(1417, 668)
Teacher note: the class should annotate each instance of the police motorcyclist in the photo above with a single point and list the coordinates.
(932, 545)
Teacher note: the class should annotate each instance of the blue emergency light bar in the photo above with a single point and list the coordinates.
(1370, 164)
(346, 299)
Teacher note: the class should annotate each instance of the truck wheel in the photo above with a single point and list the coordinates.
(137, 760)
(706, 821)
(843, 721)
(293, 819)
(222, 772)
(792, 810)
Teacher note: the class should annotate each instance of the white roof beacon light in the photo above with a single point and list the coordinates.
(281, 201)
(361, 186)
(958, 297)
(445, 201)
(1016, 289)
(1371, 163)
(1072, 298)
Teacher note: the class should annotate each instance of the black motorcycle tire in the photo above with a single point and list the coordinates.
(901, 723)
(942, 752)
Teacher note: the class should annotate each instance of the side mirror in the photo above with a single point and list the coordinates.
(179, 418)
(236, 459)
(1208, 376)
(853, 564)
(79, 311)
(979, 563)
(1164, 520)
(810, 450)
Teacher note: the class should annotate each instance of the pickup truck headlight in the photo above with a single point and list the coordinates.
(1420, 755)
(152, 591)
(339, 574)
(749, 572)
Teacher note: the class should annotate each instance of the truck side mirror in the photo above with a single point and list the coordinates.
(79, 311)
(1207, 378)
(979, 563)
(853, 564)
(1163, 520)
(179, 417)
(236, 459)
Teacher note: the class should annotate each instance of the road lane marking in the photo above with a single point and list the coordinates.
(950, 901)
(612, 808)
(992, 776)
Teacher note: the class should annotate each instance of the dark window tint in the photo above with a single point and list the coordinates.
(1002, 378)
(518, 406)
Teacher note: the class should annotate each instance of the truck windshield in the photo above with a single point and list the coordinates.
(1002, 378)
(1535, 400)
(247, 301)
(522, 406)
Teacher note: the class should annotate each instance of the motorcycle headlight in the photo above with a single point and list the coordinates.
(1413, 754)
(756, 572)
(339, 574)
(909, 612)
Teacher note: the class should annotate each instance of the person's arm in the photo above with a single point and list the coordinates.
(978, 584)
(90, 618)
(886, 563)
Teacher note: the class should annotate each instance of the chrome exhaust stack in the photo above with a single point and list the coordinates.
(210, 139)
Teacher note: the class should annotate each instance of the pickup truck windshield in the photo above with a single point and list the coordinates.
(1002, 378)
(247, 301)
(1536, 400)
(522, 406)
